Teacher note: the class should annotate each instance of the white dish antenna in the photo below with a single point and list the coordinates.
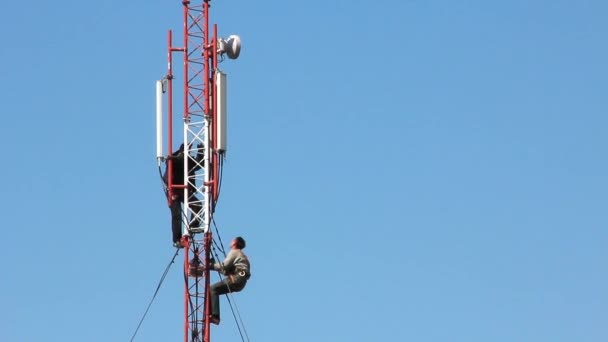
(230, 46)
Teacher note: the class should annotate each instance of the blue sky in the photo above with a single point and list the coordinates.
(402, 170)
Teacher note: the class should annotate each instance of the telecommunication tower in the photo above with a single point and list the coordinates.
(203, 113)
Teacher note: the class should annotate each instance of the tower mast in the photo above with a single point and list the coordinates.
(200, 192)
(203, 114)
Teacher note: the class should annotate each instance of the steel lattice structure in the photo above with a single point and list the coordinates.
(200, 193)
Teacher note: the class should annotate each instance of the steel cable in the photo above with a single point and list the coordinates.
(162, 278)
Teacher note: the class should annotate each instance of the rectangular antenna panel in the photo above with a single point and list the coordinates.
(222, 120)
(159, 119)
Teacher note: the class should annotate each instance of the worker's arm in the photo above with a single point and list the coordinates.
(176, 156)
(179, 153)
(227, 265)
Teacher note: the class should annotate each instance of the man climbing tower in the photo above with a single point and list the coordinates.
(177, 195)
(236, 269)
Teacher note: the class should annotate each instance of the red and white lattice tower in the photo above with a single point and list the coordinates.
(203, 113)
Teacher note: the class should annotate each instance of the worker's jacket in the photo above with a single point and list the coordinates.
(236, 267)
(194, 164)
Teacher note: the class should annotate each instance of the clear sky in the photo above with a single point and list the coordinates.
(423, 170)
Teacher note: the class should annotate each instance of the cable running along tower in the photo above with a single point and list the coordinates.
(202, 108)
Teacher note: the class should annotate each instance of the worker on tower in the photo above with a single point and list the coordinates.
(236, 268)
(177, 195)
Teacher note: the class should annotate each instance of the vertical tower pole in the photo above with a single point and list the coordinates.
(170, 114)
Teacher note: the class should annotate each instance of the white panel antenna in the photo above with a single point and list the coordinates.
(222, 119)
(159, 121)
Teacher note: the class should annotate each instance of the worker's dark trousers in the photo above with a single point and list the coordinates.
(176, 214)
(224, 287)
